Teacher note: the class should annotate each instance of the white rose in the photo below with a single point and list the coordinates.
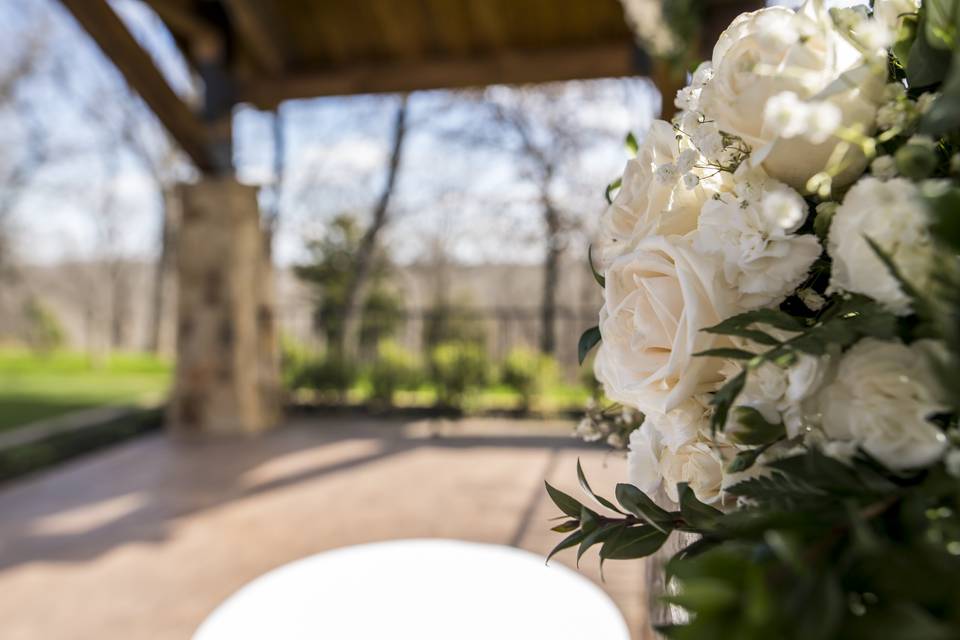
(657, 299)
(753, 233)
(652, 465)
(651, 199)
(881, 398)
(775, 51)
(699, 465)
(893, 215)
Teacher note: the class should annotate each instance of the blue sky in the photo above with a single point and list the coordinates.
(335, 153)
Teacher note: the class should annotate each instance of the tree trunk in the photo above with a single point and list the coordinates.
(551, 279)
(158, 340)
(119, 305)
(363, 261)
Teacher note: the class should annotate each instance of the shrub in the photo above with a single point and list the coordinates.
(394, 368)
(294, 358)
(457, 368)
(529, 373)
(331, 375)
(44, 332)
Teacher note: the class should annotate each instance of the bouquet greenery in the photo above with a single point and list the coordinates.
(782, 309)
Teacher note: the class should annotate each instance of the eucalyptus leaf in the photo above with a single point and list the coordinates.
(633, 542)
(596, 275)
(572, 540)
(590, 338)
(582, 477)
(565, 503)
(698, 515)
(639, 504)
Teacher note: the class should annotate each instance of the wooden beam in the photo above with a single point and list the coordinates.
(504, 67)
(108, 31)
(258, 33)
(185, 24)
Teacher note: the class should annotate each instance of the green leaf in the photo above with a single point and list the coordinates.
(727, 352)
(572, 540)
(611, 188)
(906, 34)
(777, 490)
(944, 113)
(639, 504)
(724, 398)
(744, 460)
(926, 65)
(596, 275)
(698, 515)
(566, 527)
(631, 143)
(565, 503)
(753, 429)
(582, 477)
(941, 23)
(633, 542)
(944, 207)
(705, 596)
(773, 317)
(916, 298)
(590, 338)
(597, 536)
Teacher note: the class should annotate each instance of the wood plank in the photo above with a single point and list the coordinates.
(108, 31)
(258, 32)
(506, 67)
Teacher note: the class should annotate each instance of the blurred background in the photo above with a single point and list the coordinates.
(358, 230)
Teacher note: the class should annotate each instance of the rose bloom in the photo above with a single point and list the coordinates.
(657, 300)
(892, 214)
(773, 51)
(671, 448)
(881, 398)
(648, 203)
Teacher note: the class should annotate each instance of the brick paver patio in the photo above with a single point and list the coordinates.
(142, 541)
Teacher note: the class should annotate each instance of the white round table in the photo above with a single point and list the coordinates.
(421, 590)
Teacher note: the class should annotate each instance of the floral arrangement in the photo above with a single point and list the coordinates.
(780, 332)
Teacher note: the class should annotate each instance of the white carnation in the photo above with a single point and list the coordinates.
(893, 215)
(881, 398)
(753, 233)
(784, 394)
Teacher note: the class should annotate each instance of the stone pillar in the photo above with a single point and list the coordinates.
(227, 380)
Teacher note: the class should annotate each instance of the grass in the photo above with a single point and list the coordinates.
(558, 398)
(38, 386)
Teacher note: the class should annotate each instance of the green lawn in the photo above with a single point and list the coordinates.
(33, 386)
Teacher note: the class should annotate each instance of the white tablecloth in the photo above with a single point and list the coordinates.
(421, 590)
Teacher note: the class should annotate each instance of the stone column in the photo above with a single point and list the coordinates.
(226, 374)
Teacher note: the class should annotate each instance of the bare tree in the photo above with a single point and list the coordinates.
(363, 261)
(543, 128)
(22, 159)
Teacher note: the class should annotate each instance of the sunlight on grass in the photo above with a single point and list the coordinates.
(38, 386)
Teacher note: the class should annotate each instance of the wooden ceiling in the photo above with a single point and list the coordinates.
(302, 48)
(266, 51)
